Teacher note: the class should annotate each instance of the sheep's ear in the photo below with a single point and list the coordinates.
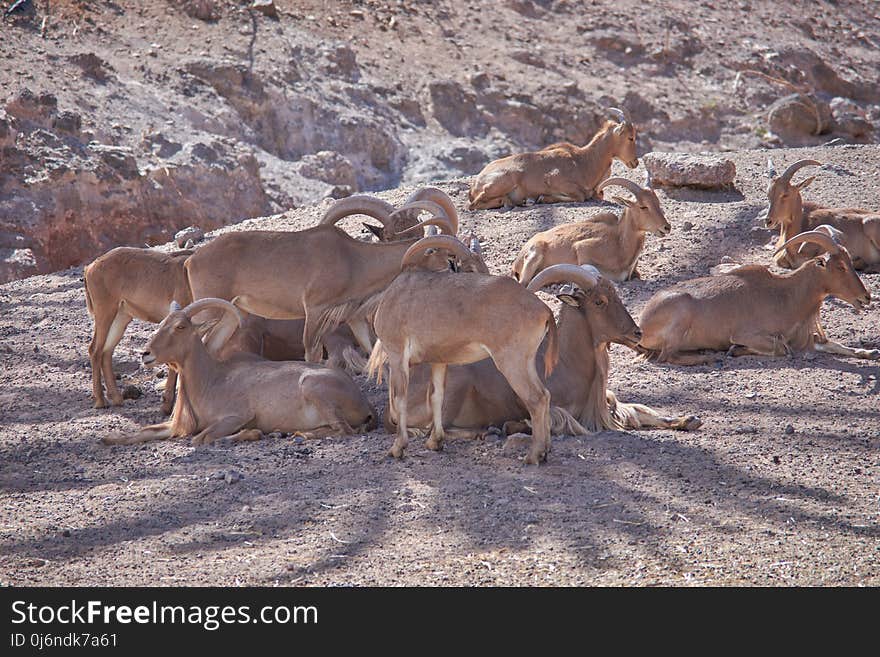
(174, 307)
(378, 231)
(623, 201)
(806, 182)
(569, 300)
(618, 129)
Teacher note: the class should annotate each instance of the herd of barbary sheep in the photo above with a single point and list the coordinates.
(259, 346)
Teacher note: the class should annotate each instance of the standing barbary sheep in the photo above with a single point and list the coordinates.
(477, 396)
(560, 173)
(127, 283)
(452, 318)
(320, 274)
(244, 397)
(610, 243)
(751, 310)
(860, 229)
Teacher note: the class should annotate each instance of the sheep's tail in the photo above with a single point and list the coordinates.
(376, 364)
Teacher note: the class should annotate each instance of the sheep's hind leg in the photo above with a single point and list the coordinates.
(438, 386)
(114, 335)
(227, 426)
(758, 344)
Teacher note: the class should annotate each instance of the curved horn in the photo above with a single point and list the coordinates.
(358, 204)
(771, 170)
(211, 302)
(623, 182)
(620, 115)
(439, 197)
(790, 171)
(431, 231)
(445, 242)
(230, 320)
(585, 277)
(439, 214)
(436, 209)
(819, 237)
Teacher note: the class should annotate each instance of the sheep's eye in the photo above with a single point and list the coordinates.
(180, 327)
(643, 207)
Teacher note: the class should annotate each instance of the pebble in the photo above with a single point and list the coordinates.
(789, 429)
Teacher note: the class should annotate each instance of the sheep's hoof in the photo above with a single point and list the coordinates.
(396, 452)
(116, 401)
(691, 423)
(434, 444)
(871, 354)
(101, 403)
(536, 458)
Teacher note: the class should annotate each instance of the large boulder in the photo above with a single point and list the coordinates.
(690, 170)
(797, 117)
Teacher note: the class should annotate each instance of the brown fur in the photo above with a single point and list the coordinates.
(610, 243)
(750, 310)
(123, 284)
(477, 396)
(559, 173)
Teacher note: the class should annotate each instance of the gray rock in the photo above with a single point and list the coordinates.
(690, 170)
(191, 233)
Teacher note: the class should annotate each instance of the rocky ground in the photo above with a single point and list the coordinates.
(121, 123)
(779, 487)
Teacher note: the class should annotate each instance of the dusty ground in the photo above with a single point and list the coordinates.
(742, 501)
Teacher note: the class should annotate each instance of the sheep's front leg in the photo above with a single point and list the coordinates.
(758, 344)
(227, 426)
(838, 349)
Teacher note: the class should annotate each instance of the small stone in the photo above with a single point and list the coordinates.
(266, 7)
(687, 226)
(789, 429)
(193, 233)
(66, 533)
(132, 392)
(232, 476)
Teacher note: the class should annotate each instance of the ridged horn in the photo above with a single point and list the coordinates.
(623, 182)
(211, 302)
(437, 210)
(620, 115)
(439, 197)
(445, 242)
(359, 204)
(585, 276)
(790, 171)
(815, 236)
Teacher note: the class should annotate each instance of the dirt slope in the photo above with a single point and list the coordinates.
(121, 123)
(745, 500)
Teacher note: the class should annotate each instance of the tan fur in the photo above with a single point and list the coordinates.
(123, 284)
(750, 310)
(233, 398)
(478, 396)
(321, 274)
(610, 243)
(860, 228)
(560, 173)
(412, 328)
